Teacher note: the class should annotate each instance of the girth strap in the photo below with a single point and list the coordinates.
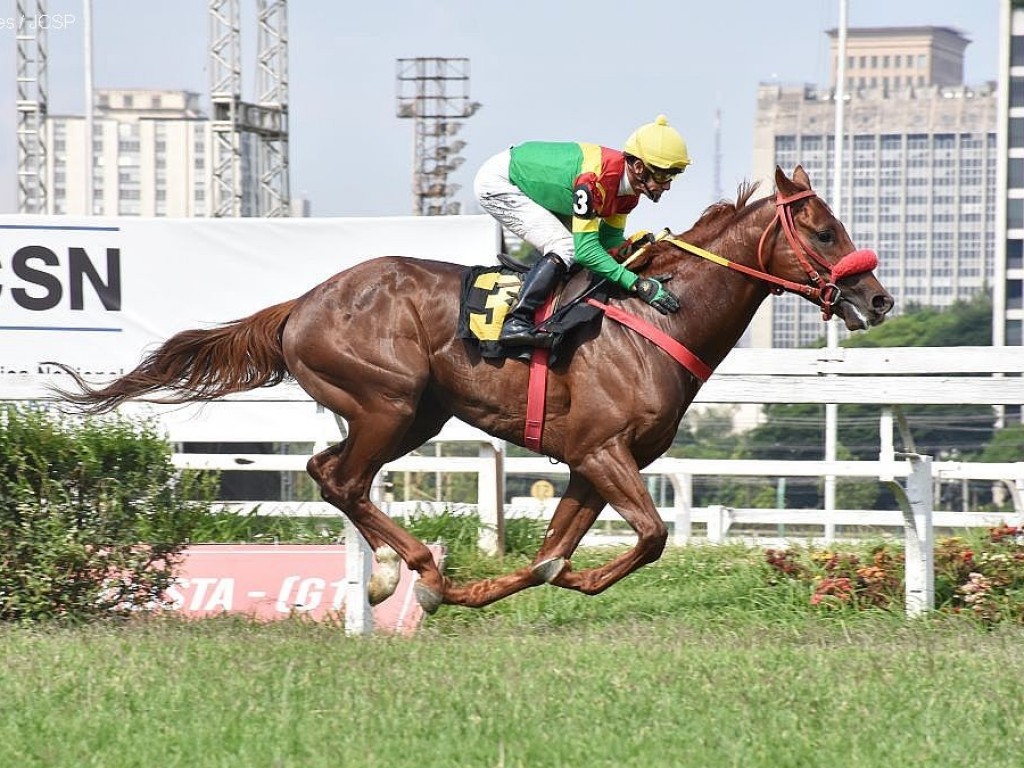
(537, 389)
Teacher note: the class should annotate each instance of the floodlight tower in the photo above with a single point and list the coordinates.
(250, 140)
(435, 93)
(31, 100)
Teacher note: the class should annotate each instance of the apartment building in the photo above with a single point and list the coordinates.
(920, 173)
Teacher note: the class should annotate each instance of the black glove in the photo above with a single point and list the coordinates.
(655, 294)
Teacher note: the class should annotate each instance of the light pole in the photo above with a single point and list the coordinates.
(435, 93)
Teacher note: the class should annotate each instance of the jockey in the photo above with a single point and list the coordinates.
(570, 201)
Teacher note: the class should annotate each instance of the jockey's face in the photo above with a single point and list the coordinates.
(651, 182)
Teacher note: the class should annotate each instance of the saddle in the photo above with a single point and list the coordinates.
(489, 292)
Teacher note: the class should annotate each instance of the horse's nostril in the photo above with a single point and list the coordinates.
(882, 303)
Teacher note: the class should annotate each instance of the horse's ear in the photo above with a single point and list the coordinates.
(800, 177)
(784, 184)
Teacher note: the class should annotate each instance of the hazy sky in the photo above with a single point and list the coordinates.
(543, 69)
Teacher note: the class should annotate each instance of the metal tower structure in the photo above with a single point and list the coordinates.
(31, 103)
(272, 100)
(250, 140)
(434, 92)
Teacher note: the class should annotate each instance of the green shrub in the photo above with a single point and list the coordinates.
(226, 527)
(459, 532)
(92, 515)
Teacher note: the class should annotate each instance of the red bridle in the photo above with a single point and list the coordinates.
(824, 289)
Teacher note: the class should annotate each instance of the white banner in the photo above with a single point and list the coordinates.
(95, 293)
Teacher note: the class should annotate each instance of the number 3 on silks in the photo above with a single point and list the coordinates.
(583, 201)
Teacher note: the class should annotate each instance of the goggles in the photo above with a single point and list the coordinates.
(663, 175)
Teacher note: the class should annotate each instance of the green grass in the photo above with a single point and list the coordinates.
(691, 661)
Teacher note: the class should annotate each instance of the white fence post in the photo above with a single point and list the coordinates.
(490, 498)
(1016, 489)
(887, 447)
(719, 520)
(682, 484)
(916, 504)
(358, 568)
(358, 561)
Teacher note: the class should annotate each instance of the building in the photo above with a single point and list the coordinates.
(894, 57)
(1009, 279)
(151, 156)
(920, 180)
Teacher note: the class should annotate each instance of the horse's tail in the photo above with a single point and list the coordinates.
(196, 365)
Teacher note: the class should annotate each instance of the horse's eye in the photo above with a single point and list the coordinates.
(826, 236)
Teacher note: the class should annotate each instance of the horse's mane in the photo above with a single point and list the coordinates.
(724, 213)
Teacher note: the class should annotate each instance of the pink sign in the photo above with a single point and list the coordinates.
(274, 581)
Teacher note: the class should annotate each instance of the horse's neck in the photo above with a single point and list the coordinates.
(724, 300)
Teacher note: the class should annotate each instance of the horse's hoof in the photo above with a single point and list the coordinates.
(548, 570)
(384, 580)
(429, 599)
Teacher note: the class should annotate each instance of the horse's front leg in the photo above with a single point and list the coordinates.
(616, 478)
(486, 591)
(569, 524)
(573, 516)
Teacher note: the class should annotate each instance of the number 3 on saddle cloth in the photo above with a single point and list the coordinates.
(489, 293)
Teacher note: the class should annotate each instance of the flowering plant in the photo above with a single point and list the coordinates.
(989, 582)
(983, 579)
(843, 578)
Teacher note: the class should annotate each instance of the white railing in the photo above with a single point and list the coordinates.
(681, 473)
(883, 376)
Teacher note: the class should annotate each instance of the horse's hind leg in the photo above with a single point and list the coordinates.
(345, 473)
(385, 578)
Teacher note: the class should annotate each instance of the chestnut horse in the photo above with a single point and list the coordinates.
(378, 345)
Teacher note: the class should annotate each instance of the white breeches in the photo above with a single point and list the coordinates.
(518, 213)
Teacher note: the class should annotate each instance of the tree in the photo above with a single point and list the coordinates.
(965, 323)
(798, 431)
(706, 433)
(943, 431)
(93, 515)
(1007, 445)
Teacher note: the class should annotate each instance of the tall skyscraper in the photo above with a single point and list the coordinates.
(919, 175)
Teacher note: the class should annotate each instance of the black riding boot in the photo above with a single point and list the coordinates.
(537, 285)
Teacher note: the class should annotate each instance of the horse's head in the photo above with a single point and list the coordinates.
(805, 244)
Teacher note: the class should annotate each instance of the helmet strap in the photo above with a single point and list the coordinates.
(642, 176)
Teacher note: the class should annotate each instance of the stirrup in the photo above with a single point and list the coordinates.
(517, 333)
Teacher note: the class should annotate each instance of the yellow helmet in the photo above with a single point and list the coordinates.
(659, 145)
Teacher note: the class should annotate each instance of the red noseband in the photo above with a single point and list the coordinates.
(854, 263)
